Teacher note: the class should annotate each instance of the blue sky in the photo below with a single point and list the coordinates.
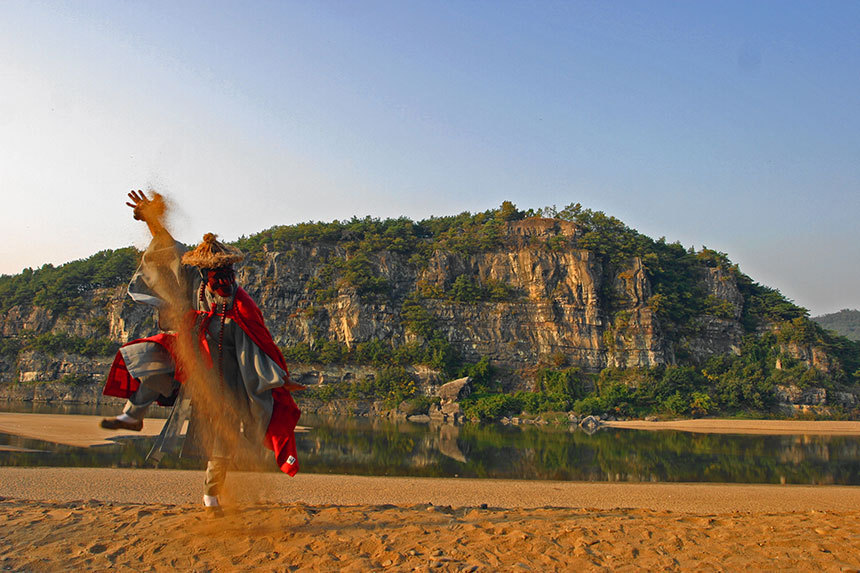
(733, 125)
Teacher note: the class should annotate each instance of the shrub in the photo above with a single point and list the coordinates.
(565, 384)
(332, 352)
(396, 383)
(539, 402)
(417, 405)
(54, 343)
(589, 406)
(326, 392)
(415, 318)
(718, 307)
(301, 353)
(375, 352)
(469, 289)
(392, 384)
(491, 406)
(443, 356)
(701, 404)
(676, 404)
(481, 374)
(9, 346)
(361, 274)
(64, 287)
(617, 399)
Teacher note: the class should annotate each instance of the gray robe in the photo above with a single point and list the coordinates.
(249, 374)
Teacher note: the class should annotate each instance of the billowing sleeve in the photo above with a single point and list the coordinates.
(259, 372)
(161, 273)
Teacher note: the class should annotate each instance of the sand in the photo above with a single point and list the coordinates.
(86, 518)
(77, 430)
(58, 519)
(70, 429)
(731, 426)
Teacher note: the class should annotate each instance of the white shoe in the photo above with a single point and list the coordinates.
(211, 501)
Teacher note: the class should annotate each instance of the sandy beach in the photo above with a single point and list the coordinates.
(150, 520)
(57, 519)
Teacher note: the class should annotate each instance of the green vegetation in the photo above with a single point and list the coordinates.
(417, 405)
(726, 384)
(674, 274)
(845, 323)
(9, 347)
(555, 391)
(764, 304)
(468, 289)
(491, 406)
(845, 352)
(56, 343)
(437, 353)
(392, 384)
(64, 288)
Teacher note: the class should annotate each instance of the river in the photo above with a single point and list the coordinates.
(372, 446)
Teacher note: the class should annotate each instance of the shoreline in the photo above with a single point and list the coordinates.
(745, 426)
(178, 487)
(78, 430)
(82, 430)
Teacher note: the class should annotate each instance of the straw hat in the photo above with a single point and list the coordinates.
(212, 254)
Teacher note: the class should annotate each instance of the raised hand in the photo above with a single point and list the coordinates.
(139, 203)
(150, 211)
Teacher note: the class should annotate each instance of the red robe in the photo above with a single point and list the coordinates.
(280, 434)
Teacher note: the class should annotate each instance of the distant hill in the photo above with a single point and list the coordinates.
(845, 322)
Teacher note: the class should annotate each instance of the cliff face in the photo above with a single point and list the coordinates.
(104, 312)
(556, 308)
(560, 304)
(717, 334)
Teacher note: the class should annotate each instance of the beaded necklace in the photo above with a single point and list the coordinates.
(223, 314)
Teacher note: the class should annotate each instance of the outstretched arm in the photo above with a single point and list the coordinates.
(151, 212)
(161, 280)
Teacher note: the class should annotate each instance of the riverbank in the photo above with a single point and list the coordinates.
(77, 430)
(739, 426)
(84, 431)
(73, 518)
(54, 393)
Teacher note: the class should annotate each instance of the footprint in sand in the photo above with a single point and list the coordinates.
(97, 548)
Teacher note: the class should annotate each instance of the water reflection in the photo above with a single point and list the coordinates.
(111, 409)
(381, 447)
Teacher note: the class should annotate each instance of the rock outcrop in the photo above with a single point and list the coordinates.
(450, 395)
(558, 308)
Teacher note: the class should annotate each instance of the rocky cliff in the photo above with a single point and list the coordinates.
(541, 294)
(562, 303)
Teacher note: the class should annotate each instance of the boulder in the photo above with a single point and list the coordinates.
(455, 390)
(590, 423)
(450, 394)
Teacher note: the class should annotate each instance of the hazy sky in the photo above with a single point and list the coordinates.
(733, 125)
